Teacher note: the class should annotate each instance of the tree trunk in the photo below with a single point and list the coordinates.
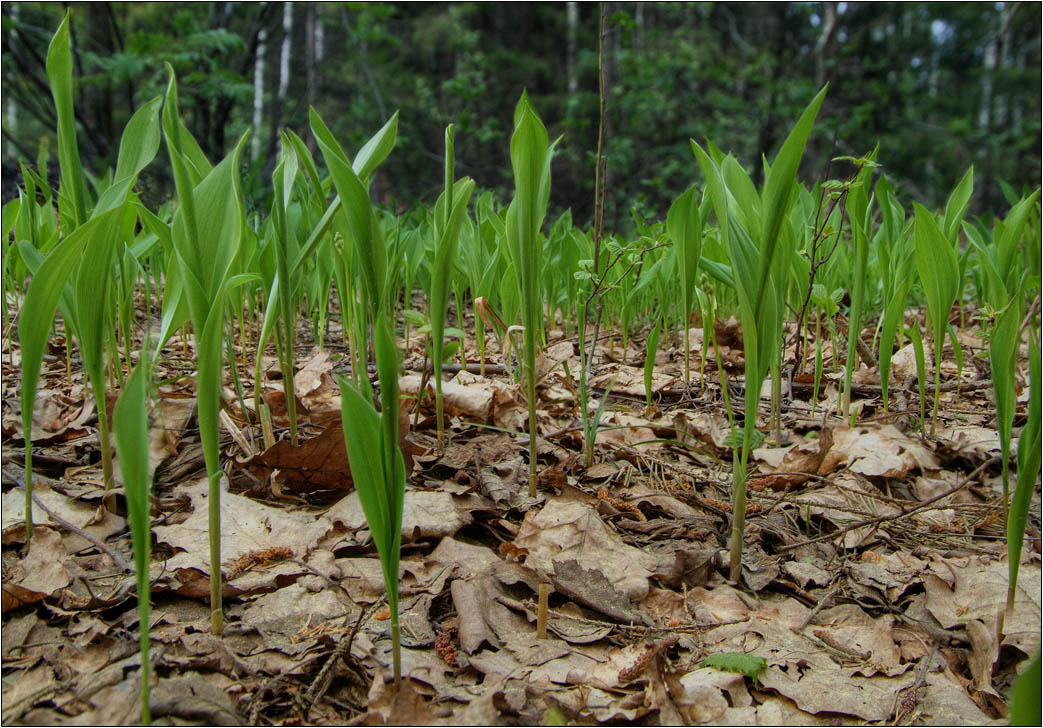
(825, 41)
(10, 106)
(572, 23)
(258, 118)
(284, 57)
(309, 67)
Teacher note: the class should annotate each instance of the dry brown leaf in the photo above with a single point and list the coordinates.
(54, 420)
(843, 507)
(961, 590)
(293, 613)
(849, 629)
(246, 526)
(473, 630)
(171, 419)
(318, 466)
(425, 514)
(880, 451)
(631, 431)
(309, 377)
(823, 687)
(631, 380)
(552, 357)
(976, 443)
(985, 650)
(794, 465)
(192, 696)
(568, 543)
(40, 574)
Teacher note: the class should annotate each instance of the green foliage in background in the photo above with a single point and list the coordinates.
(938, 85)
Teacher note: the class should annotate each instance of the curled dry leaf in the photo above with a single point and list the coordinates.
(319, 465)
(793, 465)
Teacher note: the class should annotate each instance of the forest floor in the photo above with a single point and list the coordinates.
(875, 564)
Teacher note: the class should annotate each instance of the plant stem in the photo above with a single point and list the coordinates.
(103, 438)
(396, 648)
(738, 508)
(687, 352)
(530, 381)
(143, 635)
(937, 387)
(214, 512)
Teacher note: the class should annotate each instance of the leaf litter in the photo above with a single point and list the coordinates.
(864, 604)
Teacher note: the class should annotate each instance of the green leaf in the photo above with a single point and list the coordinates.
(1026, 707)
(369, 157)
(685, 226)
(894, 312)
(1007, 240)
(530, 162)
(377, 149)
(140, 140)
(956, 205)
(73, 190)
(365, 233)
(38, 309)
(450, 215)
(651, 347)
(1030, 451)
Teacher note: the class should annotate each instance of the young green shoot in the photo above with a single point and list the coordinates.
(206, 232)
(939, 273)
(754, 230)
(130, 427)
(1029, 459)
(530, 159)
(450, 214)
(684, 224)
(377, 467)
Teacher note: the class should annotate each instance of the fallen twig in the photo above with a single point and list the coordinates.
(320, 684)
(116, 559)
(904, 513)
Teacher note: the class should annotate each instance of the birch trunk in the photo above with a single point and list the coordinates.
(284, 56)
(572, 22)
(262, 48)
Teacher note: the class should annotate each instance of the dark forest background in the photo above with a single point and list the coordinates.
(940, 86)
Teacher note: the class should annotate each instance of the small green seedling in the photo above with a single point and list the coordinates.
(760, 244)
(206, 233)
(651, 347)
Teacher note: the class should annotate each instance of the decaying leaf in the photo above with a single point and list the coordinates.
(318, 466)
(246, 525)
(880, 451)
(569, 544)
(40, 575)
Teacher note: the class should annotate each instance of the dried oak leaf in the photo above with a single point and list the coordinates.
(797, 464)
(318, 465)
(40, 574)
